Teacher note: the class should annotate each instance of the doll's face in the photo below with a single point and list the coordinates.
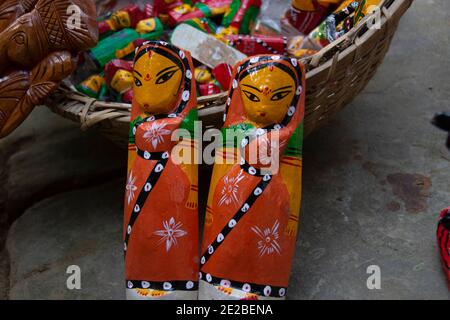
(146, 26)
(266, 95)
(122, 81)
(202, 75)
(157, 82)
(121, 19)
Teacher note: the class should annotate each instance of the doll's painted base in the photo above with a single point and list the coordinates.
(150, 294)
(208, 291)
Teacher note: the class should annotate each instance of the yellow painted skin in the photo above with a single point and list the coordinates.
(146, 25)
(157, 84)
(119, 20)
(202, 75)
(122, 81)
(266, 96)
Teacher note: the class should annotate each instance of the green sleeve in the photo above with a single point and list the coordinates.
(188, 122)
(131, 138)
(295, 144)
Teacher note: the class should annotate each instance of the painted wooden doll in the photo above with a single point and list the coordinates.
(161, 218)
(253, 210)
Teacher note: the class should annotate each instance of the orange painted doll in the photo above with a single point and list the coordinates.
(253, 209)
(161, 218)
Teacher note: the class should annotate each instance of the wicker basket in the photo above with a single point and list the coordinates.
(335, 76)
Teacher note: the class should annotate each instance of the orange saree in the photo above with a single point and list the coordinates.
(252, 213)
(160, 217)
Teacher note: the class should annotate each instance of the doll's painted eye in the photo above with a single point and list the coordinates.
(252, 97)
(280, 95)
(137, 82)
(165, 76)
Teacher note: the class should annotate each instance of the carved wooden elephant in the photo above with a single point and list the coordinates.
(38, 40)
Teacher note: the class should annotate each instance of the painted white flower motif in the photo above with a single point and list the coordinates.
(172, 230)
(130, 187)
(155, 133)
(268, 239)
(230, 189)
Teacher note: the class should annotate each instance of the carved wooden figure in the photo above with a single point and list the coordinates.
(161, 218)
(254, 200)
(36, 50)
(10, 10)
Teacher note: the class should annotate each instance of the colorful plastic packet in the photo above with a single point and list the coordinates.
(254, 45)
(305, 15)
(201, 9)
(254, 200)
(95, 86)
(161, 8)
(161, 199)
(127, 17)
(203, 24)
(119, 78)
(240, 17)
(346, 16)
(301, 47)
(110, 47)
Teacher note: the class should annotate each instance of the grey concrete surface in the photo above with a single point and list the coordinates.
(73, 228)
(375, 179)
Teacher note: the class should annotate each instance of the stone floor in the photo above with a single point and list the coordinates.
(375, 180)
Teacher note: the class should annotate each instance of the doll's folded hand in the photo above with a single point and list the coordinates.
(291, 228)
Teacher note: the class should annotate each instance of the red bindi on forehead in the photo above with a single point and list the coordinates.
(266, 90)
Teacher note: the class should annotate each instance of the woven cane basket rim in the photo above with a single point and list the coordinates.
(335, 76)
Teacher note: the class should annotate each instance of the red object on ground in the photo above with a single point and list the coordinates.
(443, 238)
(222, 73)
